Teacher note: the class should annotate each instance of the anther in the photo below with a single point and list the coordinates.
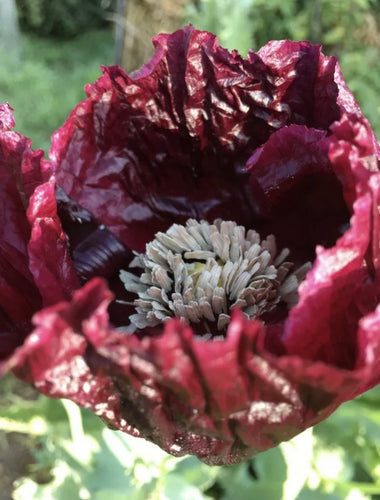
(200, 271)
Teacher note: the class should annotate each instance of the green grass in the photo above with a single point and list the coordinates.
(50, 80)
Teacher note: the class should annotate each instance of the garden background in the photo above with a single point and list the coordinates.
(50, 449)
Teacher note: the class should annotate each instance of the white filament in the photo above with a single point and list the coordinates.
(200, 271)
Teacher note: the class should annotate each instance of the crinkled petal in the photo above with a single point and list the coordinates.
(353, 155)
(19, 297)
(312, 98)
(184, 125)
(7, 121)
(49, 259)
(344, 283)
(296, 192)
(222, 400)
(24, 179)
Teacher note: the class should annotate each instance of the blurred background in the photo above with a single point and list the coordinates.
(51, 450)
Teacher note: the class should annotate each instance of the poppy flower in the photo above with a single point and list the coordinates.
(201, 254)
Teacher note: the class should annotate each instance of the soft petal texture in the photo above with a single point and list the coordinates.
(275, 142)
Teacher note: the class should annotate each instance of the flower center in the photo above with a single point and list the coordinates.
(200, 271)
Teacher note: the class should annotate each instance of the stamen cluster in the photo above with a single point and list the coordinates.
(199, 272)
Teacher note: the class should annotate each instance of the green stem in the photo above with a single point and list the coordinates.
(76, 429)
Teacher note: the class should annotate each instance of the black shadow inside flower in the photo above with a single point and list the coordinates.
(298, 196)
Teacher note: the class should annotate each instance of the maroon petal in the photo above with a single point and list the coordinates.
(52, 356)
(368, 347)
(344, 284)
(353, 154)
(296, 191)
(312, 98)
(310, 83)
(222, 400)
(338, 292)
(19, 297)
(7, 121)
(49, 258)
(27, 245)
(170, 141)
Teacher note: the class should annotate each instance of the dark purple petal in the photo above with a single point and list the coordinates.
(95, 251)
(344, 284)
(35, 267)
(296, 192)
(19, 297)
(184, 125)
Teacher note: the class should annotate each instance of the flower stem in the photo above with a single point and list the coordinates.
(80, 446)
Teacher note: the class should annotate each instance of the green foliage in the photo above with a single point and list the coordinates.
(77, 457)
(229, 19)
(361, 69)
(340, 26)
(358, 427)
(66, 18)
(244, 24)
(50, 81)
(330, 22)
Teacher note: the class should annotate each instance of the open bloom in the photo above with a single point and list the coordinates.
(244, 184)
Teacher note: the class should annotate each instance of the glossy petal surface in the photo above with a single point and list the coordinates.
(275, 142)
(36, 269)
(170, 141)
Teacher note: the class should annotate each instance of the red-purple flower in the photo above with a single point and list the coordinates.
(273, 145)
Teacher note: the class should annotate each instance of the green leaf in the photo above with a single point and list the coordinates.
(64, 485)
(270, 466)
(175, 487)
(335, 35)
(239, 483)
(355, 429)
(196, 473)
(306, 494)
